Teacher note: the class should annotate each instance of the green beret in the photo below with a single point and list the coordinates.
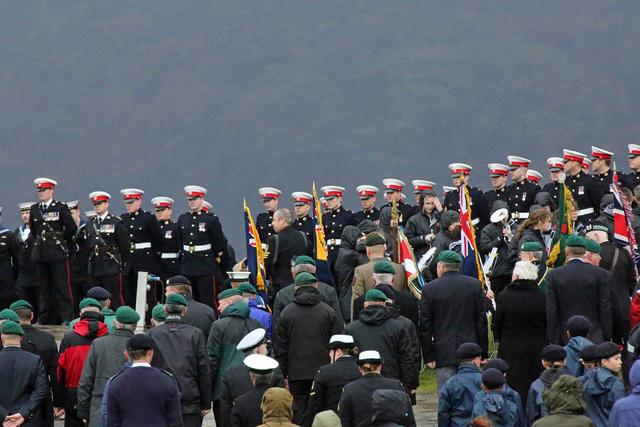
(10, 327)
(303, 259)
(374, 239)
(384, 267)
(575, 241)
(158, 312)
(176, 299)
(450, 257)
(531, 247)
(304, 278)
(228, 293)
(20, 304)
(246, 287)
(375, 295)
(90, 302)
(8, 314)
(127, 315)
(592, 246)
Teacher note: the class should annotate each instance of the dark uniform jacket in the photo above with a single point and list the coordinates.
(283, 247)
(246, 408)
(143, 227)
(302, 334)
(171, 248)
(491, 196)
(200, 228)
(109, 245)
(8, 259)
(334, 222)
(479, 212)
(520, 196)
(553, 188)
(602, 185)
(305, 224)
(582, 191)
(372, 214)
(579, 288)
(631, 180)
(405, 212)
(181, 350)
(263, 224)
(199, 315)
(26, 267)
(53, 229)
(452, 312)
(80, 252)
(355, 407)
(421, 230)
(25, 385)
(327, 386)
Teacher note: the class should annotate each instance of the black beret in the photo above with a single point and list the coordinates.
(553, 352)
(596, 226)
(588, 354)
(578, 325)
(98, 293)
(493, 378)
(140, 342)
(606, 350)
(178, 280)
(468, 350)
(498, 364)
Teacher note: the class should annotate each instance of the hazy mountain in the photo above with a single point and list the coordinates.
(234, 94)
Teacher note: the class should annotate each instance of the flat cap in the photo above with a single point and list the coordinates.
(140, 342)
(588, 354)
(341, 341)
(375, 295)
(553, 352)
(369, 356)
(17, 305)
(374, 239)
(604, 350)
(252, 340)
(450, 257)
(592, 246)
(304, 278)
(304, 259)
(247, 288)
(158, 313)
(90, 302)
(176, 299)
(8, 314)
(98, 293)
(578, 325)
(468, 350)
(492, 378)
(384, 267)
(227, 293)
(575, 241)
(9, 327)
(127, 315)
(499, 364)
(178, 280)
(260, 364)
(531, 247)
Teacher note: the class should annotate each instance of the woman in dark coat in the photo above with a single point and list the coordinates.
(520, 326)
(533, 229)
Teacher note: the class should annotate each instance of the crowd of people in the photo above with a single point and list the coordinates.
(347, 350)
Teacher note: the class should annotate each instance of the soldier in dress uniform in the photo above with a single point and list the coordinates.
(498, 173)
(556, 168)
(108, 241)
(367, 195)
(602, 175)
(27, 286)
(301, 206)
(521, 191)
(460, 175)
(145, 245)
(420, 185)
(534, 177)
(393, 191)
(53, 227)
(632, 179)
(334, 219)
(204, 247)
(170, 253)
(79, 257)
(269, 197)
(580, 185)
(8, 266)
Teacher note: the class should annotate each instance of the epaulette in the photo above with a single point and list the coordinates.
(3, 229)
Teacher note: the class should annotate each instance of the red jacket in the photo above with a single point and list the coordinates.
(75, 346)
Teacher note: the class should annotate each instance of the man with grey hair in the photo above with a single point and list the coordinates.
(533, 252)
(286, 244)
(525, 270)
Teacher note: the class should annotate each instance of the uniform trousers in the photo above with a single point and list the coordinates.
(113, 284)
(205, 290)
(29, 290)
(56, 300)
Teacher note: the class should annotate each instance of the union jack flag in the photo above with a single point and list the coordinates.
(622, 229)
(468, 250)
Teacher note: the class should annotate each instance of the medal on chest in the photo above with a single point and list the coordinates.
(107, 228)
(202, 226)
(52, 216)
(581, 190)
(167, 234)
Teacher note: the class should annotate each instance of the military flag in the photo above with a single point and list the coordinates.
(470, 259)
(255, 254)
(323, 271)
(622, 228)
(408, 261)
(564, 230)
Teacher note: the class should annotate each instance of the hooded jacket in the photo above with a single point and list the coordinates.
(276, 408)
(566, 405)
(456, 399)
(573, 349)
(496, 407)
(326, 419)
(391, 408)
(536, 407)
(600, 392)
(626, 411)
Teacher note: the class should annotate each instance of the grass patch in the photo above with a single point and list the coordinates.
(427, 381)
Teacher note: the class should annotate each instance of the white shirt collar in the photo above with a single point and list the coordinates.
(140, 365)
(47, 204)
(102, 217)
(575, 257)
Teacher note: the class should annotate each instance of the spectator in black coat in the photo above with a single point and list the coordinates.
(198, 314)
(520, 326)
(303, 332)
(497, 236)
(422, 227)
(578, 288)
(452, 312)
(533, 229)
(346, 262)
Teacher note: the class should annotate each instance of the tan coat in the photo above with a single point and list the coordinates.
(363, 279)
(276, 408)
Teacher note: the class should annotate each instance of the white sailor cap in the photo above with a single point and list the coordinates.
(206, 206)
(392, 184)
(25, 206)
(195, 191)
(555, 163)
(72, 204)
(366, 191)
(341, 341)
(240, 276)
(498, 169)
(403, 196)
(457, 169)
(99, 197)
(44, 183)
(301, 198)
(634, 150)
(420, 185)
(447, 189)
(162, 202)
(571, 155)
(131, 194)
(534, 176)
(332, 191)
(260, 364)
(369, 356)
(252, 340)
(518, 162)
(90, 214)
(269, 193)
(599, 153)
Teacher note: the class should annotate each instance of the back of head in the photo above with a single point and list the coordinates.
(565, 396)
(276, 403)
(326, 419)
(390, 405)
(525, 270)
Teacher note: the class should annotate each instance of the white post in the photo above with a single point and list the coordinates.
(141, 299)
